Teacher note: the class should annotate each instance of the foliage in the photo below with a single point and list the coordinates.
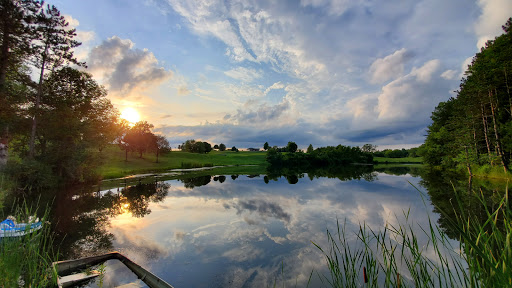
(370, 148)
(323, 156)
(52, 124)
(474, 128)
(310, 149)
(265, 146)
(234, 149)
(291, 147)
(194, 146)
(222, 147)
(398, 160)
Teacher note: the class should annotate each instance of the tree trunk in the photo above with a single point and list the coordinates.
(156, 155)
(125, 155)
(467, 161)
(498, 149)
(484, 122)
(4, 59)
(38, 103)
(508, 90)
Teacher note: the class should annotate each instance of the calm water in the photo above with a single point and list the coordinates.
(238, 230)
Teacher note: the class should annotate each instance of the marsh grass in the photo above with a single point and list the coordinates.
(395, 256)
(25, 260)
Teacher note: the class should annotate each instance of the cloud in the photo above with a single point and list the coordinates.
(263, 114)
(275, 86)
(124, 68)
(449, 74)
(183, 90)
(263, 208)
(332, 7)
(411, 97)
(494, 14)
(389, 67)
(244, 74)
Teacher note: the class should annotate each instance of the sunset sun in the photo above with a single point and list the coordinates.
(131, 115)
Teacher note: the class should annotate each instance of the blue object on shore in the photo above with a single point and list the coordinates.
(8, 228)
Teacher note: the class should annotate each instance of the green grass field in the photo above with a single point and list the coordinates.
(114, 164)
(398, 160)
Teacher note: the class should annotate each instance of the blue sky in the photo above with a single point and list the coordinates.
(321, 72)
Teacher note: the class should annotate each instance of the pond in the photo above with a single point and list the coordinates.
(240, 230)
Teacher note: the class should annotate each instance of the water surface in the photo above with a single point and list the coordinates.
(235, 230)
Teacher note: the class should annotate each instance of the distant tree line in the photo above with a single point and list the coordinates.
(398, 153)
(290, 147)
(323, 156)
(474, 128)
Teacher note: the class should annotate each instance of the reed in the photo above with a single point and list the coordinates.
(394, 256)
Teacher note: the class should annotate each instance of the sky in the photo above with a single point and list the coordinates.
(320, 72)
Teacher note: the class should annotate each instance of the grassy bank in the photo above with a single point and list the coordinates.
(25, 261)
(383, 160)
(115, 166)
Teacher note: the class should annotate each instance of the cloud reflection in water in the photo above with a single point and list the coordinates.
(243, 232)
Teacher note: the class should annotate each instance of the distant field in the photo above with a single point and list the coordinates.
(398, 160)
(114, 164)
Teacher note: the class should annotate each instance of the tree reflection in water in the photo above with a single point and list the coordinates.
(81, 219)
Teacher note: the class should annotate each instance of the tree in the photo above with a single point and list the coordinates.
(265, 146)
(139, 137)
(234, 149)
(52, 50)
(160, 145)
(222, 147)
(16, 36)
(473, 127)
(216, 146)
(73, 111)
(310, 149)
(291, 147)
(369, 148)
(106, 125)
(16, 32)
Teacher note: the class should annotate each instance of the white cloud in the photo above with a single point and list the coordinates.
(424, 73)
(275, 86)
(494, 14)
(449, 74)
(412, 97)
(389, 67)
(465, 65)
(244, 74)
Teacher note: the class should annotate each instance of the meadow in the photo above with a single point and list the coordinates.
(115, 166)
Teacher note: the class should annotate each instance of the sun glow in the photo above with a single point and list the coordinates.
(131, 115)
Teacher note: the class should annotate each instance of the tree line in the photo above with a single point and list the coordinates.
(474, 128)
(320, 157)
(202, 147)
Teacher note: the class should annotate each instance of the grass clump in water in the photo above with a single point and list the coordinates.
(394, 256)
(25, 261)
